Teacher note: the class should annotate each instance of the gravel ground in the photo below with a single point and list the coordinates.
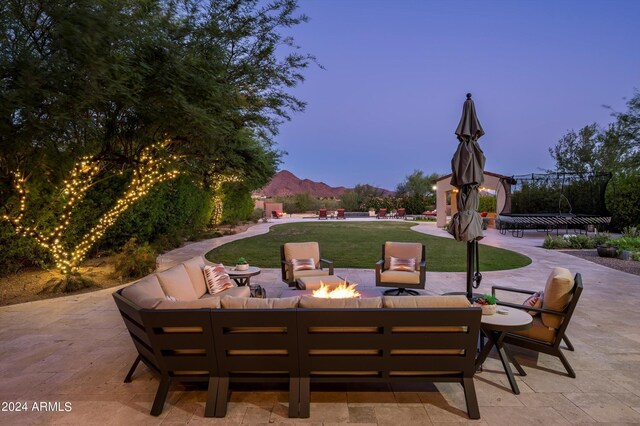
(629, 266)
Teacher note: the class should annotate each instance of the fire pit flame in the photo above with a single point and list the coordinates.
(342, 291)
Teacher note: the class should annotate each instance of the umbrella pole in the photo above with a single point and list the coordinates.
(470, 268)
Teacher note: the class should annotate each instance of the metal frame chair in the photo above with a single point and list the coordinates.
(401, 288)
(552, 348)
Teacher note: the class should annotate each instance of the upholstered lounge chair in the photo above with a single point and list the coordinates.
(403, 280)
(382, 214)
(560, 298)
(401, 213)
(322, 214)
(340, 214)
(292, 253)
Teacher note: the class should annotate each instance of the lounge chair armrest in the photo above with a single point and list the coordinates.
(530, 308)
(379, 266)
(510, 289)
(329, 263)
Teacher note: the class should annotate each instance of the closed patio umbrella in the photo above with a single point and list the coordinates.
(467, 168)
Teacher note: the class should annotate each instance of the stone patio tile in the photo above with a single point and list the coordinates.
(320, 412)
(402, 416)
(563, 406)
(534, 416)
(604, 407)
(368, 399)
(362, 415)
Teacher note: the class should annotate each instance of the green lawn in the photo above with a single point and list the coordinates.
(358, 245)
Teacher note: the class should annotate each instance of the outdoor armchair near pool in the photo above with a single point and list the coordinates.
(402, 265)
(550, 320)
(299, 260)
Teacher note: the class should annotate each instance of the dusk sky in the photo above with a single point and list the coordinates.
(397, 73)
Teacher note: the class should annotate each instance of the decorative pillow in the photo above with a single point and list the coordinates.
(217, 278)
(401, 264)
(535, 301)
(303, 264)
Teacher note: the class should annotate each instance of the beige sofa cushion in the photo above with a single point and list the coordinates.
(176, 283)
(240, 291)
(458, 301)
(557, 294)
(310, 273)
(194, 269)
(539, 331)
(209, 302)
(402, 277)
(403, 250)
(311, 302)
(230, 302)
(146, 293)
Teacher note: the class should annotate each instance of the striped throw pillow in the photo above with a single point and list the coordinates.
(534, 301)
(303, 264)
(401, 264)
(217, 278)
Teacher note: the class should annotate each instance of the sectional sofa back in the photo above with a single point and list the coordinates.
(417, 336)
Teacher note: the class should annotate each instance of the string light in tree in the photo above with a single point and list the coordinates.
(218, 204)
(153, 167)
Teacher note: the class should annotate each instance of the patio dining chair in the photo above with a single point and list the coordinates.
(299, 260)
(550, 321)
(403, 266)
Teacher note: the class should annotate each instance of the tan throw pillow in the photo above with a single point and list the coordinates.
(230, 302)
(402, 264)
(534, 301)
(217, 279)
(310, 302)
(303, 264)
(557, 294)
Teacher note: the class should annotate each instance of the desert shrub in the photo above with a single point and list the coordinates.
(256, 215)
(635, 256)
(17, 253)
(555, 243)
(601, 238)
(630, 231)
(238, 205)
(626, 243)
(135, 260)
(623, 200)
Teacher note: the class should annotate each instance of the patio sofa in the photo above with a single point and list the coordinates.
(300, 340)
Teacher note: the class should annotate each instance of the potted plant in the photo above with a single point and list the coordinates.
(241, 264)
(607, 250)
(488, 304)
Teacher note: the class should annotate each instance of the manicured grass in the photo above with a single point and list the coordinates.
(358, 245)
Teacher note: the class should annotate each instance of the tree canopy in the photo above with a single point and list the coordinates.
(108, 78)
(417, 184)
(595, 150)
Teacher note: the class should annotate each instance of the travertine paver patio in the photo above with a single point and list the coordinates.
(76, 350)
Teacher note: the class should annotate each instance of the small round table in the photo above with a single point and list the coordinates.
(495, 327)
(243, 277)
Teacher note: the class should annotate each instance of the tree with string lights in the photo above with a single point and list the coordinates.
(155, 164)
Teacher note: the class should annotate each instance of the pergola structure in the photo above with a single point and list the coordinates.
(492, 181)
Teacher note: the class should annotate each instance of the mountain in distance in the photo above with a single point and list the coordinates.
(285, 183)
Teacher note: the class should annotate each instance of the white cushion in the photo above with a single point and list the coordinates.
(194, 268)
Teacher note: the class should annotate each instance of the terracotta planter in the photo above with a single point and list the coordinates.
(604, 251)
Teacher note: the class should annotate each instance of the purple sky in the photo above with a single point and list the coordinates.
(397, 73)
